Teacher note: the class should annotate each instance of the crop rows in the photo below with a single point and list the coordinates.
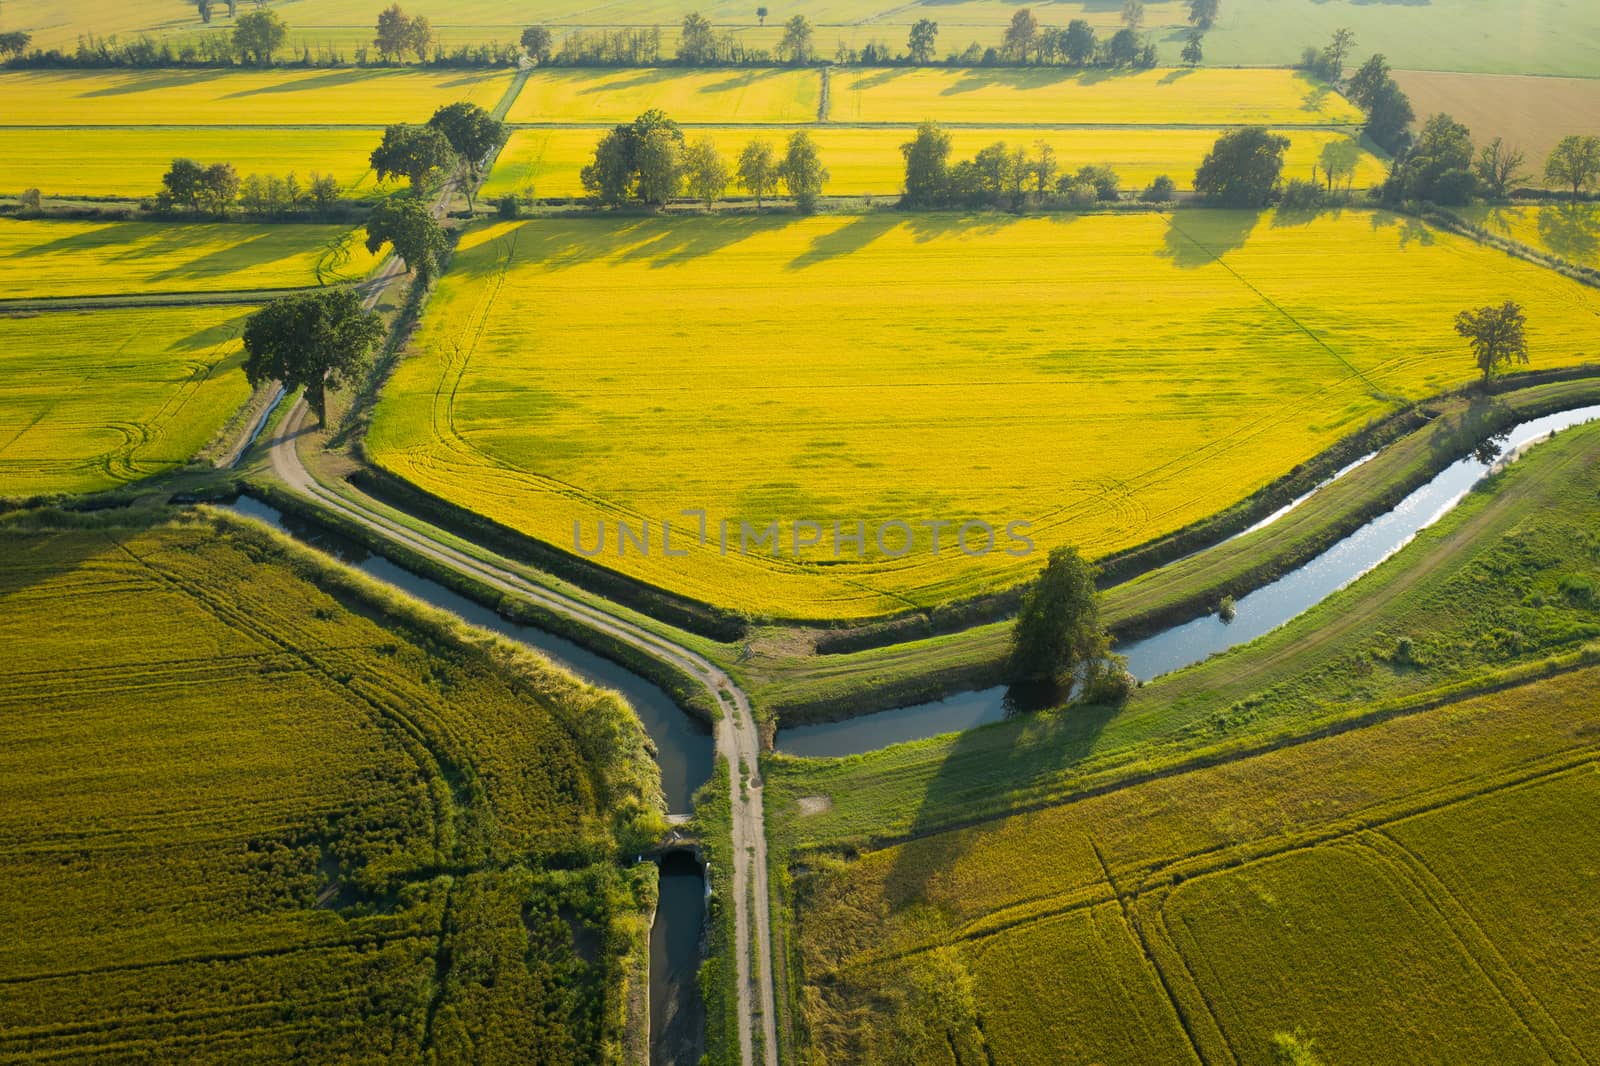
(272, 836)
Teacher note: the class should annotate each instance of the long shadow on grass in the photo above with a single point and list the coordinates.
(985, 770)
(1572, 231)
(1196, 239)
(562, 243)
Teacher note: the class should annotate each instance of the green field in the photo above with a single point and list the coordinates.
(130, 161)
(346, 97)
(867, 161)
(1426, 864)
(247, 821)
(1048, 95)
(1243, 345)
(89, 401)
(577, 96)
(1553, 37)
(68, 259)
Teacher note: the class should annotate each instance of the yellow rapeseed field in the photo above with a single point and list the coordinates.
(90, 400)
(1205, 96)
(867, 161)
(128, 161)
(65, 259)
(1571, 231)
(344, 97)
(763, 95)
(1105, 378)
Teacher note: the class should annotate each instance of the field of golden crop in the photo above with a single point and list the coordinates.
(66, 259)
(728, 95)
(1431, 864)
(1106, 378)
(1203, 96)
(1531, 114)
(867, 161)
(91, 400)
(233, 797)
(1571, 231)
(346, 97)
(129, 161)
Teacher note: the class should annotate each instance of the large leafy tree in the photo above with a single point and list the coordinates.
(257, 35)
(472, 133)
(1439, 166)
(757, 170)
(697, 41)
(1078, 43)
(314, 340)
(1574, 162)
(412, 152)
(1058, 634)
(802, 171)
(1202, 13)
(406, 224)
(1020, 36)
(537, 42)
(1497, 336)
(660, 165)
(795, 47)
(399, 33)
(920, 43)
(927, 166)
(615, 175)
(705, 174)
(1242, 168)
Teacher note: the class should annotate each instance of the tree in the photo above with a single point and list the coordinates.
(1242, 168)
(313, 340)
(660, 165)
(1058, 632)
(204, 7)
(927, 158)
(219, 187)
(398, 34)
(406, 224)
(1499, 167)
(257, 35)
(795, 48)
(802, 171)
(537, 42)
(1574, 162)
(1078, 43)
(1020, 36)
(1123, 48)
(610, 174)
(1496, 336)
(1192, 54)
(1103, 180)
(996, 170)
(1389, 116)
(697, 41)
(472, 134)
(1203, 13)
(14, 43)
(1439, 165)
(761, 15)
(757, 172)
(1365, 83)
(1043, 167)
(1339, 159)
(1333, 56)
(921, 42)
(1132, 14)
(1159, 191)
(413, 152)
(183, 182)
(705, 175)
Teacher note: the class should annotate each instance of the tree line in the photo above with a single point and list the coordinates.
(649, 161)
(258, 39)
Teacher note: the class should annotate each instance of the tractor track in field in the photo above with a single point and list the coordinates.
(737, 738)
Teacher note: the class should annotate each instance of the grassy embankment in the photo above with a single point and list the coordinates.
(385, 877)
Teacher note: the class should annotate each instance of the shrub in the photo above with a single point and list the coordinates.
(31, 199)
(1301, 195)
(507, 207)
(1226, 609)
(1159, 191)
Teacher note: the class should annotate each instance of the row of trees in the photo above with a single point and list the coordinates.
(1443, 166)
(1005, 177)
(648, 161)
(457, 133)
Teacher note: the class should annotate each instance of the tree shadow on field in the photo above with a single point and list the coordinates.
(932, 226)
(1455, 437)
(331, 80)
(1408, 229)
(140, 83)
(743, 79)
(984, 770)
(29, 559)
(563, 243)
(846, 240)
(1196, 239)
(1024, 79)
(636, 80)
(1572, 231)
(1178, 74)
